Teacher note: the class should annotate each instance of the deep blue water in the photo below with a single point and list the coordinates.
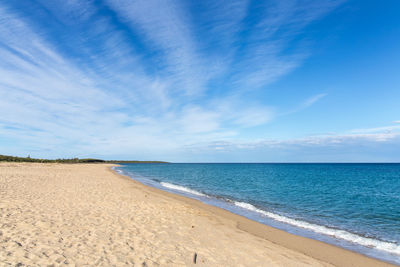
(356, 206)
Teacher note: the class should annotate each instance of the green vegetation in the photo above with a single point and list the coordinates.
(135, 161)
(29, 159)
(74, 160)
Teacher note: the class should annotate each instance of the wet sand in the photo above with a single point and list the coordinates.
(85, 214)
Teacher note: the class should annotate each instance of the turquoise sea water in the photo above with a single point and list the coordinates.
(356, 206)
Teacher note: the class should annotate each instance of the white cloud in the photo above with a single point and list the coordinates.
(165, 26)
(253, 116)
(305, 104)
(197, 120)
(367, 138)
(386, 129)
(312, 100)
(91, 88)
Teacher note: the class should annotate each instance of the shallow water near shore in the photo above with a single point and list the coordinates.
(355, 206)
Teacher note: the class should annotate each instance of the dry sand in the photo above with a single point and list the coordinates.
(84, 214)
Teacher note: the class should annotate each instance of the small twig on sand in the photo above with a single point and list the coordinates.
(195, 258)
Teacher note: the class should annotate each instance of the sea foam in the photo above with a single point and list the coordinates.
(182, 189)
(340, 234)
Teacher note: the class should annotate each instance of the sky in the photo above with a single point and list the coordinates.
(201, 81)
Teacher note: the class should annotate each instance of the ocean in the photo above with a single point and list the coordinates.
(354, 206)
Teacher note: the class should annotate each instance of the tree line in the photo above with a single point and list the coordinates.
(73, 160)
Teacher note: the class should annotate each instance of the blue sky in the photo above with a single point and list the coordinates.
(201, 81)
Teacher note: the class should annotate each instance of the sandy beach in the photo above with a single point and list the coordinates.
(85, 214)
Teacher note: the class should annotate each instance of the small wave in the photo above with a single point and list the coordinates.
(341, 234)
(116, 170)
(182, 188)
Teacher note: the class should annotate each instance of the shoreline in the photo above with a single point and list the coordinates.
(314, 248)
(87, 214)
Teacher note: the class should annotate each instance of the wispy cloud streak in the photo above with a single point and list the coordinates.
(143, 76)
